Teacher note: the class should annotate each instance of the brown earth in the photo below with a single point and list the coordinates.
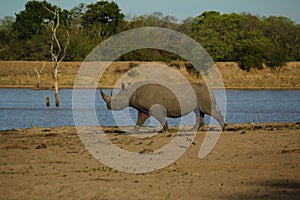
(22, 74)
(249, 161)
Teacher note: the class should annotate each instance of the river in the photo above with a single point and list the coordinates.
(23, 108)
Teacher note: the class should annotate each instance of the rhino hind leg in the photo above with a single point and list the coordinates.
(160, 113)
(215, 113)
(142, 117)
(219, 117)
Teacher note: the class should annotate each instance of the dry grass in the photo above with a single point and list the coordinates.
(21, 74)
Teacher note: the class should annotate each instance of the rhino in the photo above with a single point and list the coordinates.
(160, 101)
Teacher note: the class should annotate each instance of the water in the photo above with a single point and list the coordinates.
(244, 106)
(22, 108)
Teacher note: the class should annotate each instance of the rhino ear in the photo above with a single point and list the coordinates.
(122, 87)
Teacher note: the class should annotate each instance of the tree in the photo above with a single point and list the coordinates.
(102, 18)
(35, 19)
(186, 26)
(6, 34)
(244, 38)
(232, 37)
(216, 33)
(251, 44)
(296, 49)
(38, 74)
(80, 44)
(76, 14)
(156, 19)
(283, 35)
(58, 52)
(37, 48)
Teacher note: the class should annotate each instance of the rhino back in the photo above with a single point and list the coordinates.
(150, 94)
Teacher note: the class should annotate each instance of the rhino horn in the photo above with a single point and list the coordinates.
(113, 93)
(106, 98)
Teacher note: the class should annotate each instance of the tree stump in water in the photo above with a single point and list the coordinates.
(47, 101)
(56, 100)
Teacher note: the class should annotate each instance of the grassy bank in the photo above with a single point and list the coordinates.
(21, 74)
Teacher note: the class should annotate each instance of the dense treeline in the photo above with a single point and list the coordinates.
(244, 38)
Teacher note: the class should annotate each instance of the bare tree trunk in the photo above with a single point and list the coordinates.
(38, 73)
(57, 52)
(56, 97)
(55, 82)
(55, 62)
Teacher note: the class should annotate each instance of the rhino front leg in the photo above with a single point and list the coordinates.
(165, 127)
(142, 117)
(160, 113)
(199, 120)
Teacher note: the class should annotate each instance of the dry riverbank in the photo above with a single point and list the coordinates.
(248, 162)
(20, 74)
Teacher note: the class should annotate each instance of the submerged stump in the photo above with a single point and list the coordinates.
(47, 101)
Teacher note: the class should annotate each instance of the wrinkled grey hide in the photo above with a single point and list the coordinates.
(160, 101)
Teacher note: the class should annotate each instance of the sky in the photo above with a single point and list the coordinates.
(181, 9)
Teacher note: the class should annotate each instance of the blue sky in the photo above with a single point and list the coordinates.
(181, 9)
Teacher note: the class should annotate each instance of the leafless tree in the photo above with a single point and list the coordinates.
(38, 73)
(58, 52)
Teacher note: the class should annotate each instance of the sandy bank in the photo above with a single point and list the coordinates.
(248, 162)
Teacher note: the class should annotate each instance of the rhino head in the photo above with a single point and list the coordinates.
(117, 101)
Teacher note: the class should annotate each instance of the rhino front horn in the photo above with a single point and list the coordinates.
(105, 97)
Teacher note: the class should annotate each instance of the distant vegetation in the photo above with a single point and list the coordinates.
(244, 38)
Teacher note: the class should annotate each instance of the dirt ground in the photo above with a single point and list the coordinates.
(260, 161)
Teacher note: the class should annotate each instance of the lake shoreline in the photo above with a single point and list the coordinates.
(229, 127)
(112, 87)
